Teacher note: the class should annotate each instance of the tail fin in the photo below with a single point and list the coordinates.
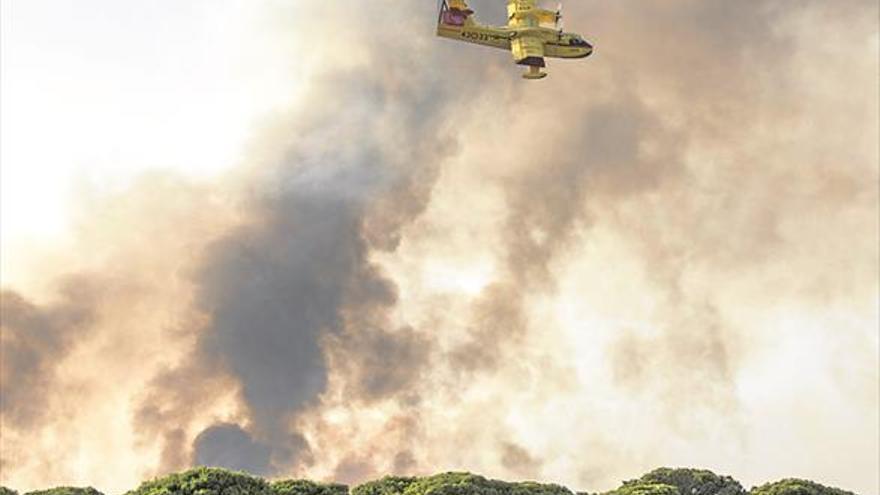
(454, 13)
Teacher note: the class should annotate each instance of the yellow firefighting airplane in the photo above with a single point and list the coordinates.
(528, 34)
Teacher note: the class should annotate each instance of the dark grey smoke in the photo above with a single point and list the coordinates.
(230, 447)
(273, 288)
(382, 364)
(172, 400)
(34, 339)
(297, 274)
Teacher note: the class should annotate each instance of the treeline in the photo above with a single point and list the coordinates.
(664, 481)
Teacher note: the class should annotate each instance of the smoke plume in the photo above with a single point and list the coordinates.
(665, 254)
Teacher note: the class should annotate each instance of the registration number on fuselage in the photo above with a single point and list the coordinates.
(478, 36)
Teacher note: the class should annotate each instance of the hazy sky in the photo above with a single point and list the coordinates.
(96, 92)
(309, 238)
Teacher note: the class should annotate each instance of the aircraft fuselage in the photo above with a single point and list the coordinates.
(556, 44)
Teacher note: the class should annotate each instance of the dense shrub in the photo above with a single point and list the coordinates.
(664, 481)
(389, 485)
(685, 481)
(455, 484)
(306, 487)
(646, 489)
(66, 490)
(205, 481)
(533, 488)
(796, 487)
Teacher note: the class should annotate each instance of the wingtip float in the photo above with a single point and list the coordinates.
(532, 33)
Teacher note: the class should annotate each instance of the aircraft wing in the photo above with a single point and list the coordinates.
(528, 13)
(522, 5)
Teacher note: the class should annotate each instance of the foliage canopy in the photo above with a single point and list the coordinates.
(646, 489)
(205, 481)
(66, 490)
(306, 487)
(455, 484)
(797, 487)
(664, 481)
(682, 482)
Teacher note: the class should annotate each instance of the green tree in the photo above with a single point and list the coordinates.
(455, 484)
(533, 488)
(7, 491)
(685, 481)
(389, 485)
(646, 489)
(205, 481)
(797, 487)
(66, 490)
(306, 487)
